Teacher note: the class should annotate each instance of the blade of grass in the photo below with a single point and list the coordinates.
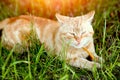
(39, 54)
(104, 75)
(104, 30)
(65, 77)
(12, 64)
(15, 69)
(29, 66)
(38, 57)
(6, 61)
(95, 73)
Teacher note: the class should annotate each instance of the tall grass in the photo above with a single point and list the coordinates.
(36, 64)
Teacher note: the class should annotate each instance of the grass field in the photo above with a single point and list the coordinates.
(36, 64)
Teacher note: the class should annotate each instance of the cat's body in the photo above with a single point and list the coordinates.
(70, 37)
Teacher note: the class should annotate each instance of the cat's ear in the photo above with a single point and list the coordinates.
(89, 16)
(62, 19)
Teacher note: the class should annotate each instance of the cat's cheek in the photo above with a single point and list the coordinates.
(75, 44)
(70, 42)
(85, 41)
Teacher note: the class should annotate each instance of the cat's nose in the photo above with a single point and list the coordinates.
(78, 39)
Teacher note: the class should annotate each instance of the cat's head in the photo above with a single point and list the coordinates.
(77, 31)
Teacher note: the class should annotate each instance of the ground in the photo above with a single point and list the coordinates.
(36, 64)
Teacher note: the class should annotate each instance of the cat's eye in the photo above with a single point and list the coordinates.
(83, 32)
(73, 34)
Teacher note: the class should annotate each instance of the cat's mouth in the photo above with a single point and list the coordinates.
(78, 45)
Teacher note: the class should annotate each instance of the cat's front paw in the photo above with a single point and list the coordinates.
(99, 59)
(97, 65)
(94, 64)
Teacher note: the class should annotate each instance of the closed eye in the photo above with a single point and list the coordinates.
(69, 34)
(85, 35)
(83, 32)
(73, 34)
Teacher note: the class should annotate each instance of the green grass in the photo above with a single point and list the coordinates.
(36, 64)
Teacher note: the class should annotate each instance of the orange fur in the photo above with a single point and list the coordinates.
(72, 35)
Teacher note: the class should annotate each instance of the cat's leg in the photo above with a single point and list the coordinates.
(96, 57)
(83, 63)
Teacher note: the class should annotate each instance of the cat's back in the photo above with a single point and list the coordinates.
(25, 19)
(25, 22)
(15, 29)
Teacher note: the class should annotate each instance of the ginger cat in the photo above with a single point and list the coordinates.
(73, 34)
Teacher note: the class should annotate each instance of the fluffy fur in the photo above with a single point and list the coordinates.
(70, 37)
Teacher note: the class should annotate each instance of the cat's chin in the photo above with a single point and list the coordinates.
(77, 46)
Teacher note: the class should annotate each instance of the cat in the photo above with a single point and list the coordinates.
(70, 37)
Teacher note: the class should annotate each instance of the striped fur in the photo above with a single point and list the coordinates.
(72, 35)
